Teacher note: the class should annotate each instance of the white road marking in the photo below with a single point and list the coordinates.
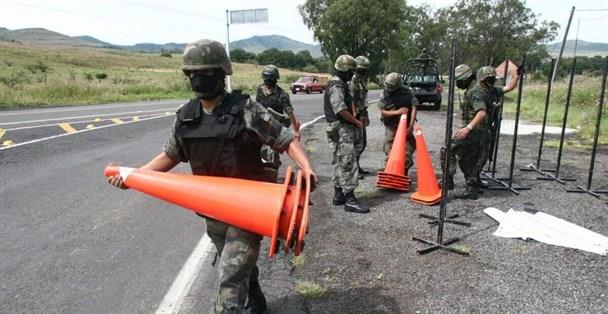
(22, 112)
(89, 116)
(77, 132)
(183, 283)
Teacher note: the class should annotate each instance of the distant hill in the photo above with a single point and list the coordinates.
(257, 44)
(584, 48)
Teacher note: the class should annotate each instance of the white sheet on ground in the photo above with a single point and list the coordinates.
(547, 229)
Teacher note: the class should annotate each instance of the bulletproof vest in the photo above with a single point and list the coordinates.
(270, 101)
(402, 97)
(220, 144)
(330, 115)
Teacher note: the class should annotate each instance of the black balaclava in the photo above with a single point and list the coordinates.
(270, 82)
(490, 81)
(208, 86)
(345, 76)
(464, 84)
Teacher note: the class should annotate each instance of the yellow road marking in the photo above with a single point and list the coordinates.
(117, 121)
(67, 127)
(2, 131)
(97, 120)
(90, 126)
(136, 118)
(8, 143)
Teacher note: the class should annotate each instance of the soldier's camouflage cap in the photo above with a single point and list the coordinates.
(345, 63)
(392, 81)
(485, 72)
(462, 72)
(206, 54)
(271, 71)
(362, 62)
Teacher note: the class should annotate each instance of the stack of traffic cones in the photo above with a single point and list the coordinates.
(394, 177)
(428, 192)
(278, 211)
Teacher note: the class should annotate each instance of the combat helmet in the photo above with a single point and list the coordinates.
(462, 72)
(271, 71)
(206, 54)
(344, 63)
(484, 72)
(392, 81)
(362, 63)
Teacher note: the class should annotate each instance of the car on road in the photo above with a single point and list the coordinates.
(309, 84)
(423, 77)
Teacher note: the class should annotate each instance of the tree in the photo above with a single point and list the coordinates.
(354, 27)
(303, 58)
(101, 76)
(240, 55)
(488, 31)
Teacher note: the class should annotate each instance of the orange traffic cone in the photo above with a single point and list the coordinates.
(428, 192)
(394, 176)
(269, 209)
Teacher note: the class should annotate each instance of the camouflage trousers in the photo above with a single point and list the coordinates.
(485, 151)
(238, 252)
(341, 136)
(467, 153)
(410, 145)
(360, 141)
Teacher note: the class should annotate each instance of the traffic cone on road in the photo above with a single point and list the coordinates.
(428, 192)
(393, 177)
(278, 211)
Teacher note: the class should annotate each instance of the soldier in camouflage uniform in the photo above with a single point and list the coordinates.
(276, 101)
(220, 134)
(358, 90)
(493, 96)
(397, 99)
(468, 144)
(341, 129)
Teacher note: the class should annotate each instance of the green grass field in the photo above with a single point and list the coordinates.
(38, 76)
(582, 111)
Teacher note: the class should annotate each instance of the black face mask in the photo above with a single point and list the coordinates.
(464, 84)
(345, 76)
(270, 82)
(361, 73)
(490, 81)
(207, 86)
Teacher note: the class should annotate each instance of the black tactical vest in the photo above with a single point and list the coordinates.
(330, 115)
(220, 144)
(272, 100)
(402, 97)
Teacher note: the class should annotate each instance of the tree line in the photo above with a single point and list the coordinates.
(390, 32)
(301, 61)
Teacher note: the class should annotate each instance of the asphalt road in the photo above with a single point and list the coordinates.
(71, 243)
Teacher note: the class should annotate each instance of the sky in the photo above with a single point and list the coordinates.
(127, 22)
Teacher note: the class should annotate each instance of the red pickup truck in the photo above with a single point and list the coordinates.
(309, 84)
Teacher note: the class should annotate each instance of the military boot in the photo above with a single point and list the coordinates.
(470, 193)
(481, 183)
(339, 198)
(256, 303)
(353, 205)
(449, 183)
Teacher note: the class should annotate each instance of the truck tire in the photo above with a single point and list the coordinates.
(308, 90)
(436, 105)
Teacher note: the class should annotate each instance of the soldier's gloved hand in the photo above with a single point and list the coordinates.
(116, 181)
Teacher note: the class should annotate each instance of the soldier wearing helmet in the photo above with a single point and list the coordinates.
(358, 90)
(395, 100)
(220, 134)
(342, 127)
(470, 143)
(276, 101)
(424, 54)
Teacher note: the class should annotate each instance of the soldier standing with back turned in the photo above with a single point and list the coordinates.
(341, 129)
